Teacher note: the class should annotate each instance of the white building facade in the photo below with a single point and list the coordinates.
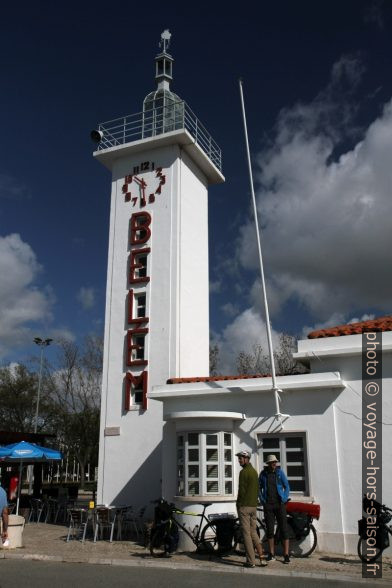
(162, 161)
(319, 445)
(179, 439)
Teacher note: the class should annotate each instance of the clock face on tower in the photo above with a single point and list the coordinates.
(144, 184)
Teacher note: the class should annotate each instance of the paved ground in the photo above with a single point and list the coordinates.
(39, 574)
(47, 542)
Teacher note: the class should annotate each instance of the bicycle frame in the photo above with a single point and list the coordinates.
(289, 517)
(202, 516)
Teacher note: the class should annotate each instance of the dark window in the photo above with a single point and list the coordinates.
(290, 450)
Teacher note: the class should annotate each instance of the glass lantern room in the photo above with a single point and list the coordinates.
(163, 111)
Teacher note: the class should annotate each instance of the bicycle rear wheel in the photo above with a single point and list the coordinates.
(301, 546)
(159, 543)
(261, 532)
(363, 555)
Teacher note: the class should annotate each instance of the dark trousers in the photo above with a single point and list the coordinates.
(276, 510)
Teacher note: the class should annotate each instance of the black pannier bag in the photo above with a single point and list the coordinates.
(173, 537)
(382, 540)
(362, 528)
(300, 523)
(163, 512)
(225, 534)
(167, 531)
(382, 537)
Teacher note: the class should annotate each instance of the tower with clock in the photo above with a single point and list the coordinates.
(156, 319)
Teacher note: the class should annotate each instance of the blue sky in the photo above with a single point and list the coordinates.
(317, 88)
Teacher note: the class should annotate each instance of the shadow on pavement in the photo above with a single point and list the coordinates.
(341, 560)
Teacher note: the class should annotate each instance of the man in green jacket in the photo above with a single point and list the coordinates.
(248, 490)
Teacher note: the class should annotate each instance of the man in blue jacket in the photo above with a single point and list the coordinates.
(274, 493)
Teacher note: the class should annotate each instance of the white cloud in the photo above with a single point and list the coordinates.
(61, 333)
(364, 317)
(246, 329)
(335, 320)
(86, 297)
(215, 287)
(229, 309)
(326, 221)
(21, 301)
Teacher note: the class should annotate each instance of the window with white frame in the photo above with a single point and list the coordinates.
(140, 305)
(290, 449)
(141, 265)
(137, 392)
(205, 464)
(138, 342)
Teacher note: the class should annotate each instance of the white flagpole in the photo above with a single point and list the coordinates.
(275, 389)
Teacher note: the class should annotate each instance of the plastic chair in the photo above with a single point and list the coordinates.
(140, 522)
(78, 519)
(105, 518)
(120, 521)
(132, 522)
(36, 509)
(126, 522)
(50, 505)
(63, 505)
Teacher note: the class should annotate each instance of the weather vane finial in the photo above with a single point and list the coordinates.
(165, 40)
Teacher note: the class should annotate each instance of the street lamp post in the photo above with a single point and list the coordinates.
(42, 344)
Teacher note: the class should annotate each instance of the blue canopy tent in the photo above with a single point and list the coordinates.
(27, 454)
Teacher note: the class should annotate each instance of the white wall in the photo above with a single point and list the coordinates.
(331, 420)
(177, 343)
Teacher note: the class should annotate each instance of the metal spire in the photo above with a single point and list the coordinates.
(164, 43)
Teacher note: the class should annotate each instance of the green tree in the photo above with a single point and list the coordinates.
(18, 397)
(257, 361)
(214, 359)
(76, 392)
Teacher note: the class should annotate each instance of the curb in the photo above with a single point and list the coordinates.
(216, 568)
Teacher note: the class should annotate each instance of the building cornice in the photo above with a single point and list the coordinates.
(297, 382)
(349, 345)
(181, 137)
(333, 352)
(204, 414)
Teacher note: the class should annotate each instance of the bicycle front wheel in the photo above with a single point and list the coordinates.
(158, 543)
(302, 546)
(362, 552)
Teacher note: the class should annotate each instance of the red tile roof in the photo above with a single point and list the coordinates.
(383, 323)
(213, 378)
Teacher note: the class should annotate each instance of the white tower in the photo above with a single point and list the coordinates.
(157, 322)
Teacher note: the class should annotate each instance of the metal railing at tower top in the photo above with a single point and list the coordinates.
(173, 116)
